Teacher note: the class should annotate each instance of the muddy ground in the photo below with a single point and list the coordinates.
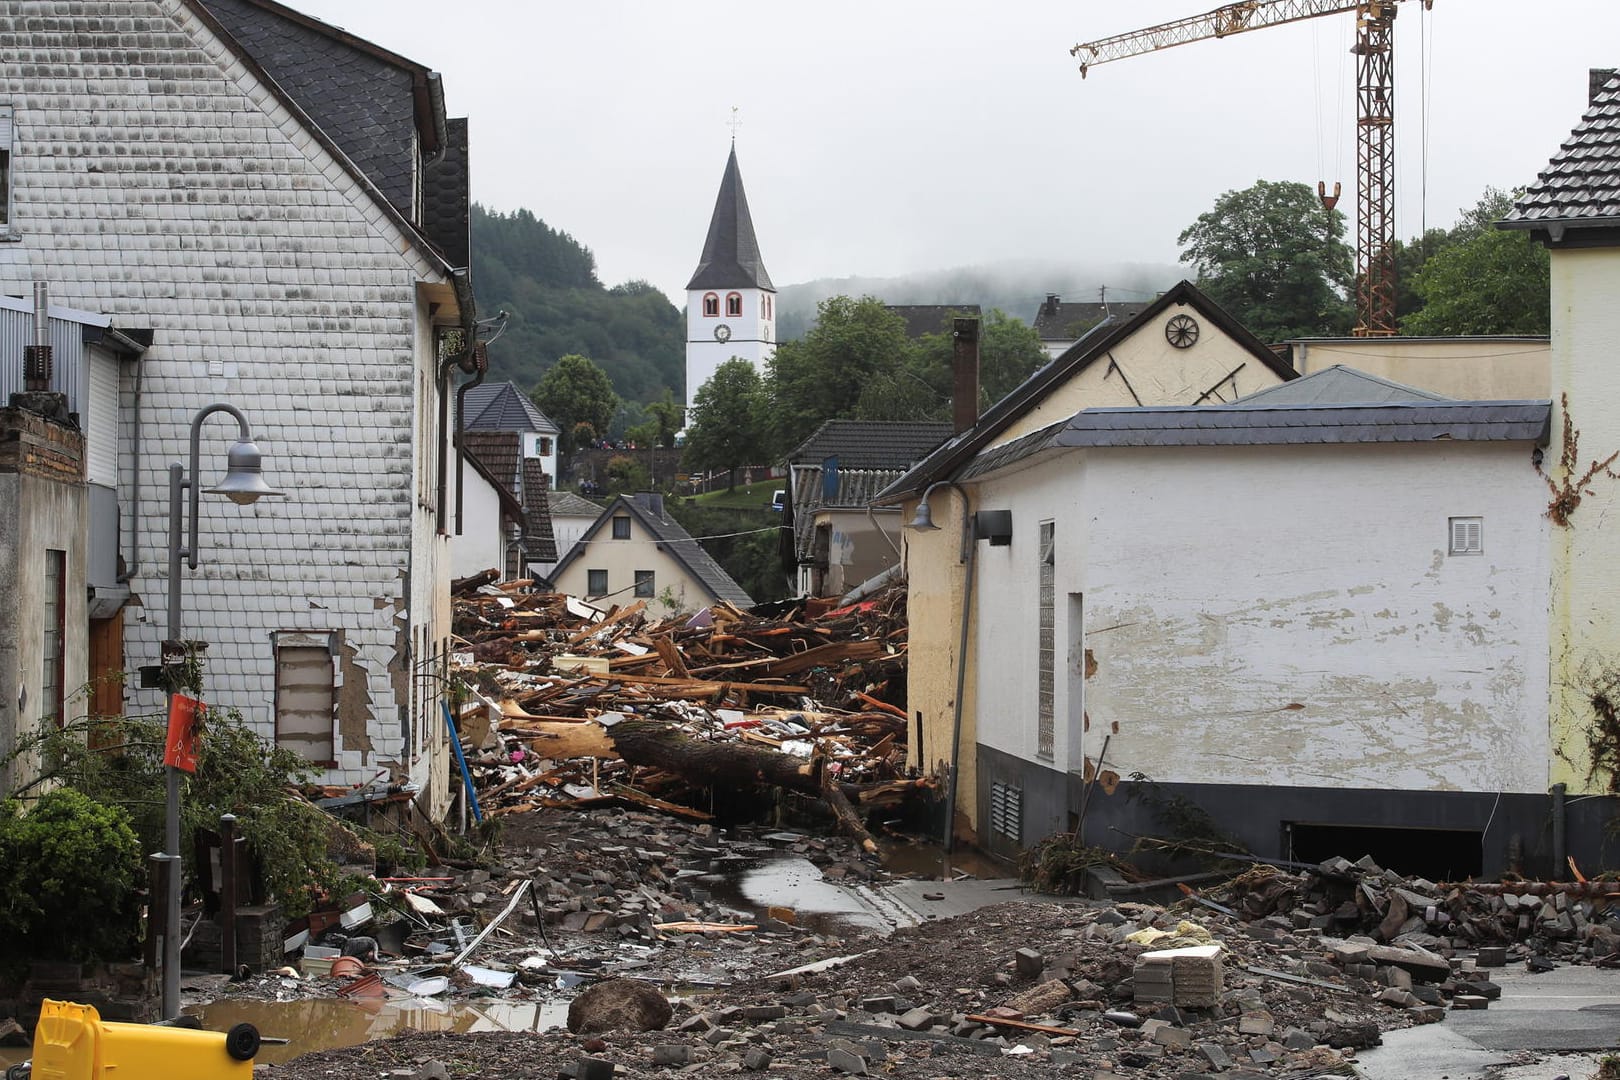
(897, 1007)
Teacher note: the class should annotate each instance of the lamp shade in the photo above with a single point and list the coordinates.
(923, 519)
(243, 483)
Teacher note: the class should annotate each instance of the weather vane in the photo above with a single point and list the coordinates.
(735, 123)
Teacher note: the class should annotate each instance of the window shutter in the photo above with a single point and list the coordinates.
(5, 127)
(1466, 536)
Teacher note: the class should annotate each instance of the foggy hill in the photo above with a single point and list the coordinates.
(1017, 288)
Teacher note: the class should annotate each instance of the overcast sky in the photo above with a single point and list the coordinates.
(892, 136)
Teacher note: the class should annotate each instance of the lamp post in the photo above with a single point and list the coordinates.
(243, 484)
(923, 521)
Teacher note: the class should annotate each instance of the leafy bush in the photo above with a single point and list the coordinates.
(70, 871)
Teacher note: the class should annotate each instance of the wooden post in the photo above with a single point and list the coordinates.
(227, 893)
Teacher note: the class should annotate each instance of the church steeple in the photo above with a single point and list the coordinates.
(731, 251)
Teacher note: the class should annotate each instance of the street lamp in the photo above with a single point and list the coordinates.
(243, 484)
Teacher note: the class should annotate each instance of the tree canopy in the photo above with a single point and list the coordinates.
(576, 391)
(728, 429)
(822, 375)
(1275, 259)
(1482, 280)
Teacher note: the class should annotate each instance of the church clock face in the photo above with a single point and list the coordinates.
(722, 333)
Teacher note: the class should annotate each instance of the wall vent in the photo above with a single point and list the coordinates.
(1467, 536)
(1007, 811)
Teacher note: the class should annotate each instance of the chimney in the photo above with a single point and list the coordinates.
(652, 502)
(1596, 80)
(965, 374)
(1051, 305)
(37, 357)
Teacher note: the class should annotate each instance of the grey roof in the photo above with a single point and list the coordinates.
(1580, 187)
(1260, 425)
(1337, 385)
(871, 444)
(567, 504)
(958, 451)
(363, 96)
(731, 252)
(1060, 320)
(930, 318)
(503, 407)
(539, 543)
(676, 542)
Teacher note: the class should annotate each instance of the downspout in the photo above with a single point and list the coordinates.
(132, 565)
(1560, 837)
(472, 359)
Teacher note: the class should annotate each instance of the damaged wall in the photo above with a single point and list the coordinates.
(1586, 554)
(1277, 616)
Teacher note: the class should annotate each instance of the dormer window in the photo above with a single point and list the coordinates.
(711, 305)
(734, 305)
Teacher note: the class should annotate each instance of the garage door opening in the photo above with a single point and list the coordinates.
(1436, 854)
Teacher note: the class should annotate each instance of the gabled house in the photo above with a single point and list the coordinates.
(280, 209)
(517, 521)
(1182, 349)
(1317, 613)
(502, 407)
(493, 539)
(1061, 323)
(636, 551)
(839, 539)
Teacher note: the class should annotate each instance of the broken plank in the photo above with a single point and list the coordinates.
(1022, 1025)
(705, 927)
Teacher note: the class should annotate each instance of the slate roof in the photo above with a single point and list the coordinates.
(447, 198)
(871, 444)
(1336, 385)
(1580, 187)
(501, 452)
(361, 95)
(958, 451)
(539, 543)
(1260, 425)
(931, 318)
(503, 407)
(731, 251)
(1060, 320)
(676, 542)
(567, 504)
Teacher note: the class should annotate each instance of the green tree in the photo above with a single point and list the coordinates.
(1009, 352)
(823, 375)
(728, 421)
(576, 391)
(1275, 259)
(1485, 280)
(667, 417)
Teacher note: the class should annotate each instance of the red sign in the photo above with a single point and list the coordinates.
(181, 749)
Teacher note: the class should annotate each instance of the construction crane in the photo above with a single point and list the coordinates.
(1375, 124)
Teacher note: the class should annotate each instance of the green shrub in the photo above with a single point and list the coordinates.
(70, 870)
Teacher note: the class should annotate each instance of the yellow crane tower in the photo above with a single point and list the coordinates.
(1375, 123)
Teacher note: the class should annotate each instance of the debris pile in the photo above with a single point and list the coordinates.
(1569, 921)
(573, 706)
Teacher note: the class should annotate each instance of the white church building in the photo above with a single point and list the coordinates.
(731, 303)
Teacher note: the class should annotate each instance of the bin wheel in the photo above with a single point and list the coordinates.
(20, 1071)
(242, 1042)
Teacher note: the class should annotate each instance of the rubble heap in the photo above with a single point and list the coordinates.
(575, 706)
(1570, 921)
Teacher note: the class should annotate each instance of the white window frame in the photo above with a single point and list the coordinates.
(1465, 536)
(8, 167)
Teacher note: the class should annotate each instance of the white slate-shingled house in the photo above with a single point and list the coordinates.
(283, 207)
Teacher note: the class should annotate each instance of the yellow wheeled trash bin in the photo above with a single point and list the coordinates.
(72, 1042)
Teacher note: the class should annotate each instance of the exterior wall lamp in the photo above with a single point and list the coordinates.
(243, 484)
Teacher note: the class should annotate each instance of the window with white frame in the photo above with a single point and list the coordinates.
(1467, 536)
(306, 696)
(7, 132)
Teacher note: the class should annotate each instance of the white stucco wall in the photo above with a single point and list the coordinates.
(1586, 556)
(481, 544)
(621, 559)
(753, 336)
(1466, 368)
(1278, 615)
(566, 529)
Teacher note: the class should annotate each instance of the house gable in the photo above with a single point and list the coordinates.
(655, 542)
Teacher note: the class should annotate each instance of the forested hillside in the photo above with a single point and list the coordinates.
(547, 281)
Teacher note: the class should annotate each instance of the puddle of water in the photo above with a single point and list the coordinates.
(926, 860)
(327, 1023)
(791, 882)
